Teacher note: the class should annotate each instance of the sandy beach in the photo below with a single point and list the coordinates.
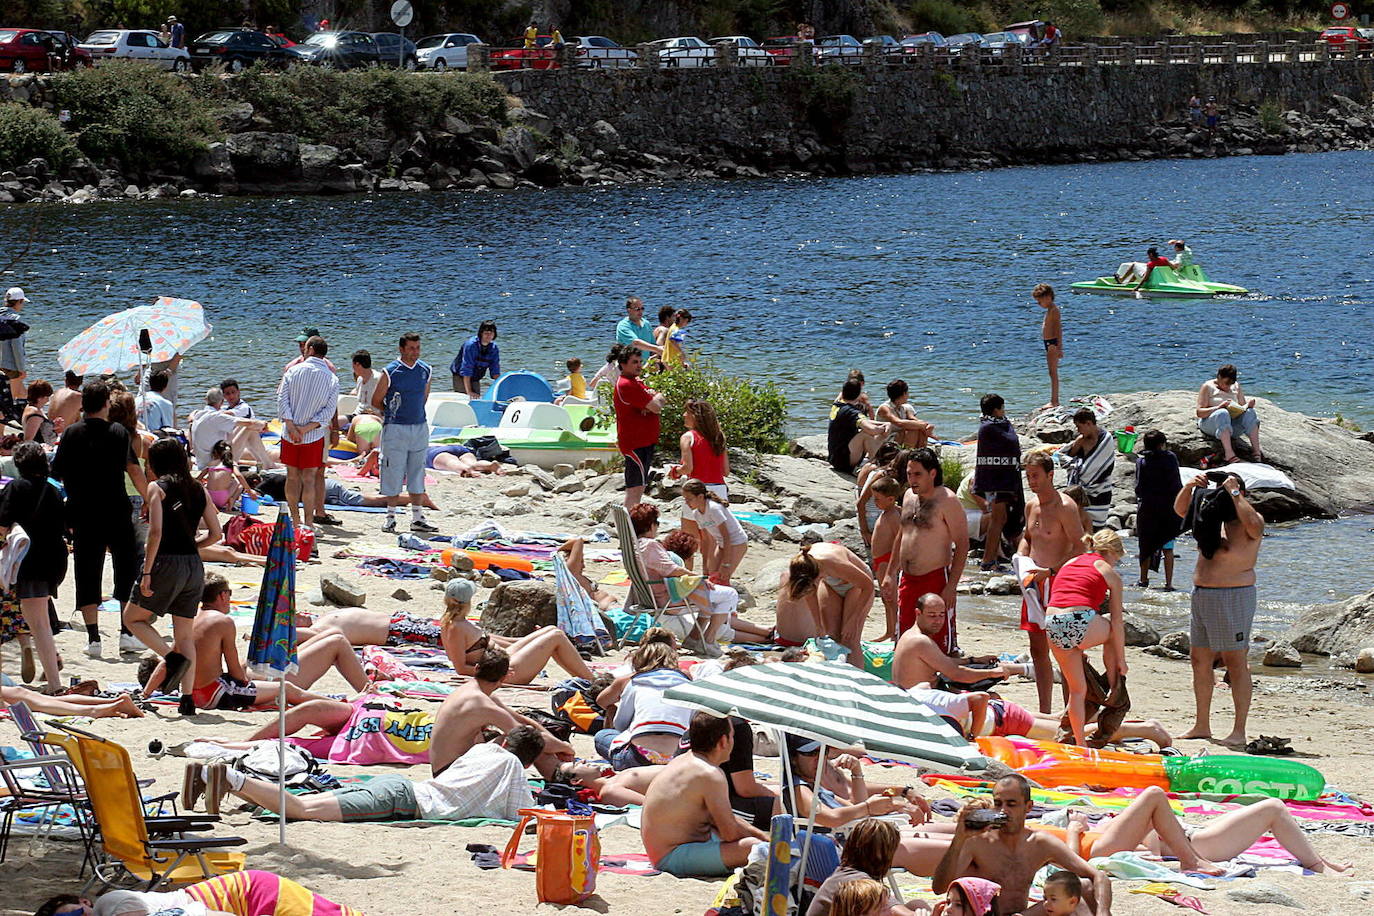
(388, 870)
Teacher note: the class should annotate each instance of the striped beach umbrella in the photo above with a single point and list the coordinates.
(272, 643)
(111, 344)
(836, 704)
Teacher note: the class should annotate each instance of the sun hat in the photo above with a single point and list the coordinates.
(15, 294)
(460, 590)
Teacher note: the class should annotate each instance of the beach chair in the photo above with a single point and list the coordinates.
(577, 615)
(43, 784)
(131, 850)
(641, 598)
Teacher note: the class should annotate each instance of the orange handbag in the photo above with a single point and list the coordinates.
(567, 854)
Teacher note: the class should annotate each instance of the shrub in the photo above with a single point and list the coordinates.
(952, 471)
(27, 133)
(143, 117)
(945, 17)
(753, 415)
(336, 107)
(1271, 117)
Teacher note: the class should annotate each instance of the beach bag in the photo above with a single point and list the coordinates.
(257, 538)
(233, 531)
(487, 448)
(264, 762)
(575, 701)
(567, 854)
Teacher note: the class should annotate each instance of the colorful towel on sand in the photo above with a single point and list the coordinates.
(632, 863)
(264, 894)
(380, 731)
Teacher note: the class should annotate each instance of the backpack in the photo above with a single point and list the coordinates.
(567, 856)
(487, 448)
(574, 701)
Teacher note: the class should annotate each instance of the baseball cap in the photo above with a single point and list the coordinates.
(306, 334)
(15, 294)
(460, 590)
(796, 744)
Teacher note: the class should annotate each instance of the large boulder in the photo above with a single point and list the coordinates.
(517, 609)
(769, 577)
(822, 495)
(1329, 629)
(1332, 468)
(263, 156)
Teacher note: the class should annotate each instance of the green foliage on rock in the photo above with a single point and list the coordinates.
(330, 106)
(143, 117)
(1271, 117)
(31, 133)
(826, 93)
(952, 471)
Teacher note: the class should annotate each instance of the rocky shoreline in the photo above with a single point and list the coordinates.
(531, 149)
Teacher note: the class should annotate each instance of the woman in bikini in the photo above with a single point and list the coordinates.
(826, 591)
(1074, 622)
(464, 642)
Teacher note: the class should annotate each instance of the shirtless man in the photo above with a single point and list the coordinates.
(472, 707)
(1053, 536)
(918, 658)
(1012, 854)
(1228, 531)
(931, 546)
(688, 827)
(66, 403)
(628, 787)
(221, 681)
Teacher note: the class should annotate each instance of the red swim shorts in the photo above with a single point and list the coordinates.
(1010, 719)
(303, 455)
(913, 587)
(1044, 589)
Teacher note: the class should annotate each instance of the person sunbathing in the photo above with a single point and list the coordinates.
(464, 641)
(826, 591)
(624, 788)
(71, 704)
(362, 627)
(473, 706)
(487, 780)
(221, 681)
(724, 598)
(243, 893)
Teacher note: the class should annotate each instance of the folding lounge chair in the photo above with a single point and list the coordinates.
(577, 615)
(131, 849)
(44, 783)
(641, 598)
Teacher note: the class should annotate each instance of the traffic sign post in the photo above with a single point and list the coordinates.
(1340, 11)
(403, 14)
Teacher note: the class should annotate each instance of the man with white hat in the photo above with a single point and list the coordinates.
(13, 355)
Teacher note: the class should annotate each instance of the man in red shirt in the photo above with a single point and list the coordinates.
(1152, 261)
(637, 409)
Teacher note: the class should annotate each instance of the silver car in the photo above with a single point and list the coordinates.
(599, 52)
(136, 44)
(747, 50)
(448, 51)
(684, 52)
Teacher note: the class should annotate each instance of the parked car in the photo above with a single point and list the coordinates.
(1033, 30)
(448, 51)
(396, 51)
(237, 49)
(1000, 42)
(599, 52)
(136, 44)
(540, 57)
(1347, 40)
(39, 51)
(341, 50)
(686, 51)
(886, 43)
(839, 49)
(749, 52)
(957, 43)
(912, 44)
(781, 48)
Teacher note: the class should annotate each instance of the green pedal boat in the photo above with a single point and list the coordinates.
(1186, 283)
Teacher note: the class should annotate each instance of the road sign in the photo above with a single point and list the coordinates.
(1339, 10)
(402, 13)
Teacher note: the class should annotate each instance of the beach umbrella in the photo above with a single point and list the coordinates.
(111, 344)
(272, 644)
(836, 704)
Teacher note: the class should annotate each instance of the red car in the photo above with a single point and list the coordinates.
(522, 58)
(39, 51)
(1347, 40)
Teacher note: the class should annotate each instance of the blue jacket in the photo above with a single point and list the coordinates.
(475, 360)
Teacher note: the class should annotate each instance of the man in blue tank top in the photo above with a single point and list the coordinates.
(401, 393)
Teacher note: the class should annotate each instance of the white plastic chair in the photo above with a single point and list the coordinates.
(451, 414)
(535, 415)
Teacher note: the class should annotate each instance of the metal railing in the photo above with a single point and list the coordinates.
(725, 55)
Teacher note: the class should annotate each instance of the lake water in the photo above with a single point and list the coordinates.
(925, 277)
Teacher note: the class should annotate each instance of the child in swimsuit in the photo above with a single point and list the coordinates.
(222, 480)
(1052, 335)
(886, 491)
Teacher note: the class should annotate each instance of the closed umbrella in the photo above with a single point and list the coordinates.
(835, 704)
(272, 644)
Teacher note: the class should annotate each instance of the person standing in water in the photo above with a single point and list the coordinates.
(1052, 336)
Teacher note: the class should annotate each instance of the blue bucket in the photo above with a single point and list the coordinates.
(249, 506)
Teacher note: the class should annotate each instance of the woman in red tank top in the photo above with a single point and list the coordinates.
(1073, 622)
(703, 448)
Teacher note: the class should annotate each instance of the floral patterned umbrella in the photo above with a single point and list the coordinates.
(111, 344)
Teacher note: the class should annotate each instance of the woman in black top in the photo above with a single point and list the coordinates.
(173, 576)
(33, 504)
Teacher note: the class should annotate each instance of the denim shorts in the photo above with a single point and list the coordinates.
(1218, 420)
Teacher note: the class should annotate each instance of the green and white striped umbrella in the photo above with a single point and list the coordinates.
(837, 704)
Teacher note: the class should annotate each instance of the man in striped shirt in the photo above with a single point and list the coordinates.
(307, 401)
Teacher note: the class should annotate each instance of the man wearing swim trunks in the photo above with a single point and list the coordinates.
(1053, 536)
(931, 546)
(637, 423)
(1228, 532)
(688, 827)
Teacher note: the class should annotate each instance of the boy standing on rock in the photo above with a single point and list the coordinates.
(1052, 336)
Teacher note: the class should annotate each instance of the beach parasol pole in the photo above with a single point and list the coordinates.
(281, 759)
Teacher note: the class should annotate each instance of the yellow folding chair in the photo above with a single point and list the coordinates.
(131, 850)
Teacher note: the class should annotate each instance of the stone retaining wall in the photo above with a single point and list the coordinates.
(878, 118)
